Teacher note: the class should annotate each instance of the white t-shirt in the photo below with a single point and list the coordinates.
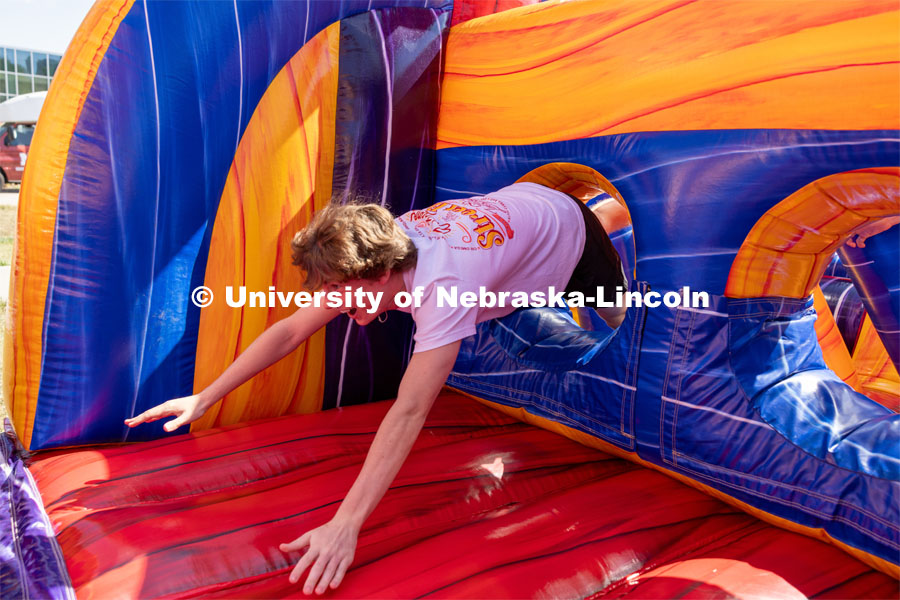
(523, 238)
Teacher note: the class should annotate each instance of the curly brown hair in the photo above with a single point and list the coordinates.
(351, 241)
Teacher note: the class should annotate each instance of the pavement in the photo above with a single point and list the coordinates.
(9, 196)
(4, 283)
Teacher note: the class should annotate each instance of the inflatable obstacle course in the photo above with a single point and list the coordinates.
(218, 129)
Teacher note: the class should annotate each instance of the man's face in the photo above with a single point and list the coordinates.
(362, 302)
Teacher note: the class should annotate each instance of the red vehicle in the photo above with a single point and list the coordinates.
(15, 139)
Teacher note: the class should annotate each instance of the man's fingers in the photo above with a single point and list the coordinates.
(141, 418)
(314, 574)
(302, 565)
(148, 416)
(340, 572)
(327, 575)
(175, 424)
(298, 544)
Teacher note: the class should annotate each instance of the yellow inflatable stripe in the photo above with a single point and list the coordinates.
(487, 40)
(39, 197)
(280, 175)
(600, 68)
(581, 182)
(576, 180)
(878, 376)
(789, 247)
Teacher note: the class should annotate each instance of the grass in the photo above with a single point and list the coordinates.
(7, 233)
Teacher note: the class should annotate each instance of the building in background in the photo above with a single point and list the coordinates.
(25, 71)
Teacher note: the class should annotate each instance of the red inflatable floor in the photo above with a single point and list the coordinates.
(485, 506)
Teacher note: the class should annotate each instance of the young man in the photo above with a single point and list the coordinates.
(523, 238)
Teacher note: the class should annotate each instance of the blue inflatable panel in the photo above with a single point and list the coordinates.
(875, 270)
(388, 84)
(846, 307)
(122, 329)
(693, 195)
(734, 395)
(836, 269)
(32, 564)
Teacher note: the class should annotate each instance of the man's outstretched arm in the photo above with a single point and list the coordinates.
(272, 345)
(332, 546)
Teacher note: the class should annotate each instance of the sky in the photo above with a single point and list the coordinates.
(46, 25)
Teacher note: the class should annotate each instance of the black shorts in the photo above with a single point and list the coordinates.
(599, 265)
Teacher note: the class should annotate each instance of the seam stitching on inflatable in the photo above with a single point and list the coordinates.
(577, 424)
(678, 388)
(665, 388)
(828, 516)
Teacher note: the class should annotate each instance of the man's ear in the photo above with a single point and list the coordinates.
(384, 278)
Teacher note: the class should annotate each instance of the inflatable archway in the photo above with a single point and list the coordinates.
(184, 142)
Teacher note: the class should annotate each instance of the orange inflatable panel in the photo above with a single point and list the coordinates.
(485, 506)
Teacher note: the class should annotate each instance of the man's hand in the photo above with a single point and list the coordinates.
(186, 410)
(858, 239)
(273, 344)
(332, 547)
